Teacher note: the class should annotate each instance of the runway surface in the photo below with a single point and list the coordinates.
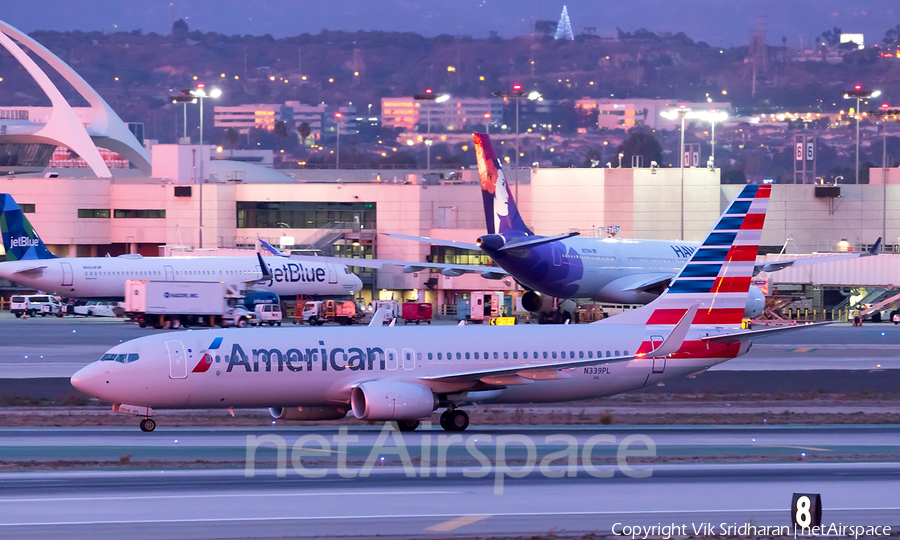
(226, 504)
(56, 348)
(185, 445)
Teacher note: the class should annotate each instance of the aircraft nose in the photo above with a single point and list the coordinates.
(92, 379)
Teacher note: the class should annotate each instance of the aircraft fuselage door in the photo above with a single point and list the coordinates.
(409, 359)
(177, 360)
(170, 273)
(67, 274)
(659, 362)
(332, 274)
(557, 254)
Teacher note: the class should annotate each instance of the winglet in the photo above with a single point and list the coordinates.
(381, 314)
(676, 337)
(271, 249)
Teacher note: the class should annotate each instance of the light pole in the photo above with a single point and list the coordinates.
(883, 113)
(517, 94)
(858, 93)
(184, 99)
(432, 97)
(707, 116)
(200, 93)
(337, 154)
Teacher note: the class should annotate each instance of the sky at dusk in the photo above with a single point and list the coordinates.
(718, 22)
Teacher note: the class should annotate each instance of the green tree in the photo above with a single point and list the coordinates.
(231, 138)
(281, 129)
(640, 143)
(832, 37)
(547, 28)
(304, 131)
(179, 31)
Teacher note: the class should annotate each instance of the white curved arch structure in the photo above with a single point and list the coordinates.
(106, 128)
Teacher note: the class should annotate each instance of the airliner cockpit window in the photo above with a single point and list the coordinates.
(121, 358)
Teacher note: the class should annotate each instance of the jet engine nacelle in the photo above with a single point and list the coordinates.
(307, 413)
(536, 302)
(392, 400)
(756, 303)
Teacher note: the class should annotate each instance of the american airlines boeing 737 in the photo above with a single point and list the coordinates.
(30, 263)
(404, 374)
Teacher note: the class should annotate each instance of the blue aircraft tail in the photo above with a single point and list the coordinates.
(500, 211)
(20, 240)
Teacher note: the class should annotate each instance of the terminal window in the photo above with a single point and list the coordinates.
(140, 214)
(93, 212)
(27, 208)
(304, 215)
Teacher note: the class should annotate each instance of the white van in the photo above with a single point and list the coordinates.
(269, 314)
(34, 304)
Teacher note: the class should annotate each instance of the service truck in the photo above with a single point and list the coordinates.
(173, 304)
(322, 311)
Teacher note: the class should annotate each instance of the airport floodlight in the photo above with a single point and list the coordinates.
(534, 95)
(429, 96)
(215, 93)
(859, 94)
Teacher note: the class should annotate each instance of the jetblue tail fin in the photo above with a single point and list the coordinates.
(500, 211)
(20, 240)
(719, 272)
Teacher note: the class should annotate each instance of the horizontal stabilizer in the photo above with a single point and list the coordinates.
(535, 241)
(435, 241)
(30, 269)
(380, 316)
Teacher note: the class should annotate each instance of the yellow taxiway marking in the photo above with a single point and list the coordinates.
(456, 523)
(803, 349)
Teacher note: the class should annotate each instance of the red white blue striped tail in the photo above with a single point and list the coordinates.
(719, 273)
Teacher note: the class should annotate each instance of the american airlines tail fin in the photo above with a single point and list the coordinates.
(20, 240)
(500, 211)
(719, 272)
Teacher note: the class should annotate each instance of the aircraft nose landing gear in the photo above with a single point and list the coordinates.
(148, 424)
(454, 420)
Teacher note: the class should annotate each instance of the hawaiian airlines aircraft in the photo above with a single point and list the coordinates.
(605, 270)
(30, 263)
(404, 374)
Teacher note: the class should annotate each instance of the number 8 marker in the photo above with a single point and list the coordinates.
(803, 518)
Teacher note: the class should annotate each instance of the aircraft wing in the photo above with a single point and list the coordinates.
(743, 336)
(435, 241)
(451, 270)
(808, 261)
(553, 370)
(490, 272)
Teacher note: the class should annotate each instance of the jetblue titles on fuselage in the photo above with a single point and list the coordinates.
(295, 272)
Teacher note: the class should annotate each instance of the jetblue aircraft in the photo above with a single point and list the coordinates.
(29, 263)
(404, 374)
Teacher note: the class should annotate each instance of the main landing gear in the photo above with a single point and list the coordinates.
(454, 420)
(148, 424)
(451, 420)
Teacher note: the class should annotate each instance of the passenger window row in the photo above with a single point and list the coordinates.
(525, 355)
